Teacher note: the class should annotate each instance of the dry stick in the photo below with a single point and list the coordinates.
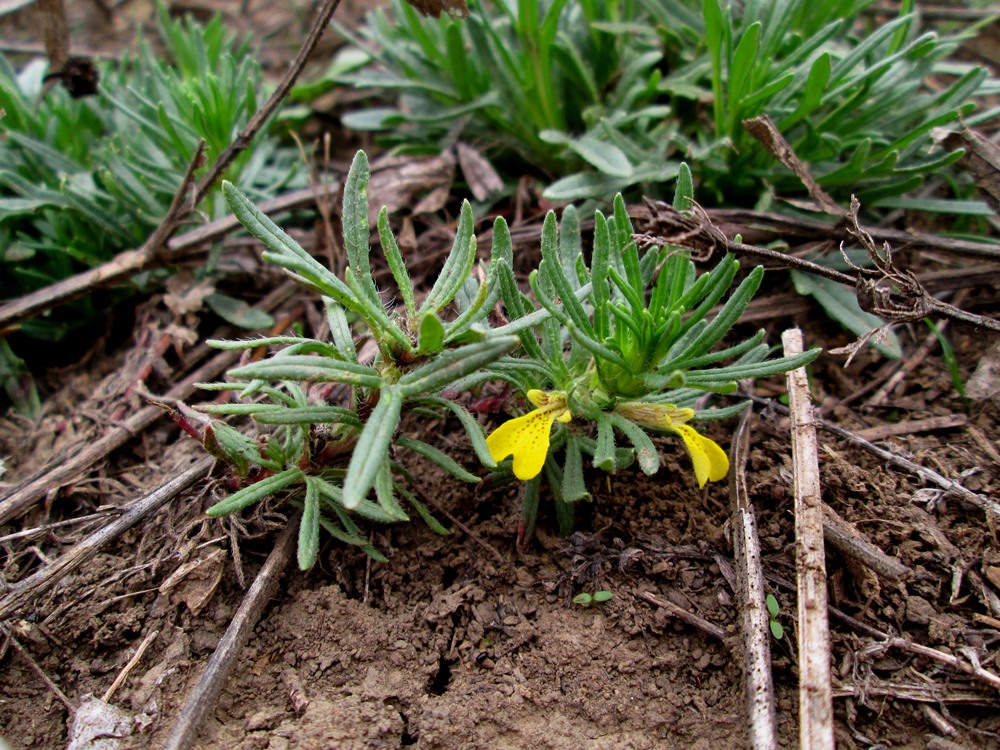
(201, 699)
(815, 690)
(22, 497)
(23, 592)
(37, 669)
(887, 640)
(682, 614)
(844, 538)
(121, 266)
(783, 226)
(129, 263)
(146, 642)
(985, 504)
(40, 530)
(912, 363)
(259, 119)
(913, 426)
(750, 591)
(973, 670)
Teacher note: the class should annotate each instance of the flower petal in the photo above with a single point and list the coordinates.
(710, 462)
(526, 439)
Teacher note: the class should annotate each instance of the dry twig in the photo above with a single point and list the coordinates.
(201, 699)
(682, 614)
(21, 593)
(948, 486)
(815, 696)
(52, 478)
(754, 621)
(156, 250)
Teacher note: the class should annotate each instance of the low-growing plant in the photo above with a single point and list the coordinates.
(84, 179)
(606, 96)
(622, 345)
(635, 358)
(331, 456)
(522, 78)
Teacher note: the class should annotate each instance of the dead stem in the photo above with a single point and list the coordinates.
(127, 669)
(201, 699)
(749, 580)
(22, 497)
(699, 623)
(21, 593)
(9, 637)
(987, 505)
(815, 696)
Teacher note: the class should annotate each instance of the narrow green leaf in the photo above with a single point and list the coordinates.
(432, 523)
(457, 265)
(705, 378)
(438, 457)
(385, 493)
(340, 330)
(450, 365)
(604, 452)
(355, 220)
(256, 491)
(646, 453)
(472, 428)
(372, 448)
(684, 189)
(308, 368)
(308, 415)
(726, 318)
(573, 487)
(570, 246)
(286, 252)
(309, 527)
(397, 266)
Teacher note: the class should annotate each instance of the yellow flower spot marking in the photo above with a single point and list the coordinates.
(527, 438)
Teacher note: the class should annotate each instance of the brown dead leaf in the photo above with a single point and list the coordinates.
(185, 295)
(478, 172)
(194, 582)
(412, 183)
(454, 8)
(766, 132)
(982, 159)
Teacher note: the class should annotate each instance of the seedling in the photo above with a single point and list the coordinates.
(598, 597)
(774, 611)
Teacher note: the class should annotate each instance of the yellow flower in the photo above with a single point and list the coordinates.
(527, 438)
(710, 462)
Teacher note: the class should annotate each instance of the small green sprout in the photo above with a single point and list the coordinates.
(598, 597)
(773, 611)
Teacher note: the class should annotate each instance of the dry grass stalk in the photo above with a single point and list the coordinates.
(754, 621)
(815, 691)
(23, 592)
(201, 699)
